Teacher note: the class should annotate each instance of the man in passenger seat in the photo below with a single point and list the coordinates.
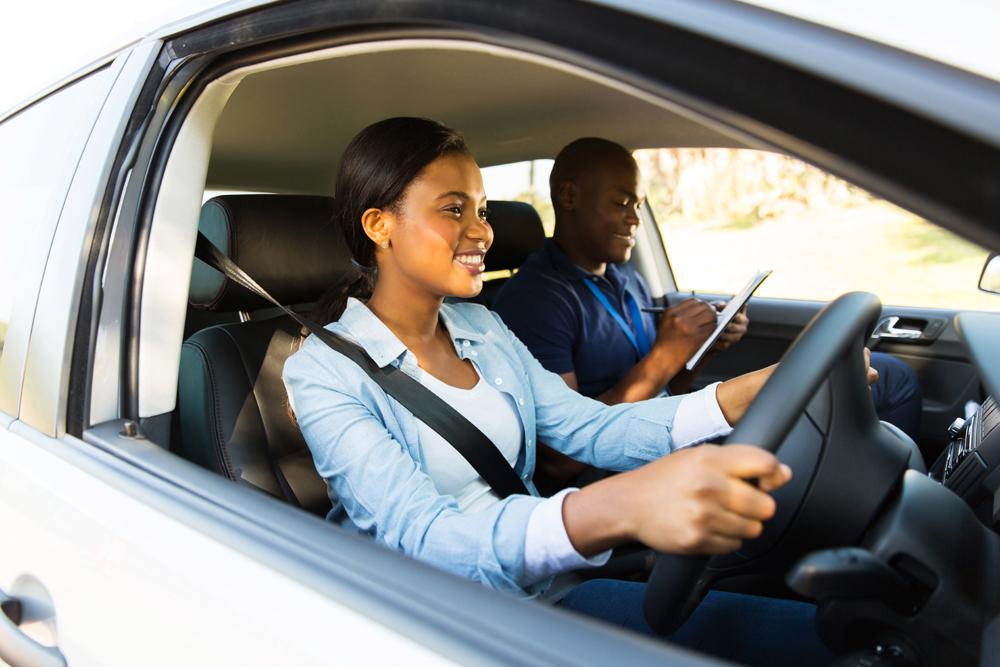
(578, 307)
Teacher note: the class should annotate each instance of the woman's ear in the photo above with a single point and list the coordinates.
(377, 224)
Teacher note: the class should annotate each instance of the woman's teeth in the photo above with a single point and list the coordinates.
(470, 260)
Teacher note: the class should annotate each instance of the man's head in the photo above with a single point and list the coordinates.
(594, 186)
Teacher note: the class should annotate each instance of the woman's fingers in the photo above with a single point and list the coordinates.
(747, 461)
(734, 526)
(777, 480)
(747, 500)
(716, 545)
(870, 373)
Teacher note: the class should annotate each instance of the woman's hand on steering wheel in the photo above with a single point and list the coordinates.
(713, 504)
(696, 501)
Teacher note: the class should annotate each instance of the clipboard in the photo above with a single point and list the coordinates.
(726, 316)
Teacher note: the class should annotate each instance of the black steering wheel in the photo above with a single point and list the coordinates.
(817, 403)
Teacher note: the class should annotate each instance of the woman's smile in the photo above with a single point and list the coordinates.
(472, 261)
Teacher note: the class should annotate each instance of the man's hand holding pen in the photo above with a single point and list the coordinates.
(690, 319)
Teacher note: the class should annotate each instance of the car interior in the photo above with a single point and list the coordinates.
(268, 136)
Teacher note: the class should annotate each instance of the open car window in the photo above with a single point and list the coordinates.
(725, 213)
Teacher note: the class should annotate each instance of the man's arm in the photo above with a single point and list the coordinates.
(645, 380)
(681, 331)
(682, 381)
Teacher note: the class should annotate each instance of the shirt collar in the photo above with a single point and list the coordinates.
(380, 343)
(564, 265)
(370, 332)
(457, 327)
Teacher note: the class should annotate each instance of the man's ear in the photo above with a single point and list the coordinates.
(377, 224)
(567, 194)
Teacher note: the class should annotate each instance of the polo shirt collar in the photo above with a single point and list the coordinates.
(564, 265)
(380, 343)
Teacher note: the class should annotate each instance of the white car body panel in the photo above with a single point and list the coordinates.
(132, 585)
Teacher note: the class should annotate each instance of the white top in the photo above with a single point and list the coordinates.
(494, 414)
(547, 548)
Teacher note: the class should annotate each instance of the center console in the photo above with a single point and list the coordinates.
(970, 465)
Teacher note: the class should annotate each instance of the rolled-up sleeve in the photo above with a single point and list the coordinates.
(699, 418)
(384, 491)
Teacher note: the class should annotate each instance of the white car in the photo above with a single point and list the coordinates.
(158, 507)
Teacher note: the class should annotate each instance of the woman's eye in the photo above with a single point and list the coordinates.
(484, 215)
(454, 210)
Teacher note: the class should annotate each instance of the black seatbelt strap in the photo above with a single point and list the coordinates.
(425, 405)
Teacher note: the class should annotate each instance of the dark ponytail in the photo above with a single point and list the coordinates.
(376, 168)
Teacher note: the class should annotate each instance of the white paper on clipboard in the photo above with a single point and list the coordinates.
(727, 315)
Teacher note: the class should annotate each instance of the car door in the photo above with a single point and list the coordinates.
(117, 551)
(97, 568)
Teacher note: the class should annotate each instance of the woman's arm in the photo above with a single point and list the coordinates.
(735, 395)
(612, 437)
(384, 491)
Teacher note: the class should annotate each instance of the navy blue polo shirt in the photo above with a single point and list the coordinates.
(547, 305)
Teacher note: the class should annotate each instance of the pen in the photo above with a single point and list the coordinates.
(660, 309)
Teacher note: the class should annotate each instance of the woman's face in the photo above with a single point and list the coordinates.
(438, 236)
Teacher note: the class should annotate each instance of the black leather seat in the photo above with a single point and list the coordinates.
(232, 404)
(517, 232)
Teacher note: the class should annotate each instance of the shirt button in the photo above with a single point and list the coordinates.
(465, 343)
(520, 401)
(498, 381)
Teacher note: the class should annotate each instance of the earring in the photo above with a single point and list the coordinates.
(384, 243)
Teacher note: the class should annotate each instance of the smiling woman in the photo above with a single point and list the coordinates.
(414, 208)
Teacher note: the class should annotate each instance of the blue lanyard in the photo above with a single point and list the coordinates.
(638, 337)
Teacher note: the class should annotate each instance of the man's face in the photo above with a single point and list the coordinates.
(607, 216)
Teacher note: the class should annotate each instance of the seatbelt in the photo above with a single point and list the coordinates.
(425, 405)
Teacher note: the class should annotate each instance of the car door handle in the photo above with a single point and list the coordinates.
(889, 328)
(18, 649)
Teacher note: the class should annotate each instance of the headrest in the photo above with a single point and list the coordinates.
(287, 243)
(517, 232)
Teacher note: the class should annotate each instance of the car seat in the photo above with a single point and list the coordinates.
(517, 232)
(232, 405)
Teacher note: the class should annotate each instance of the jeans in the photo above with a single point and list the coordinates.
(897, 394)
(747, 629)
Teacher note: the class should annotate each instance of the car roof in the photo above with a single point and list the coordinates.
(961, 34)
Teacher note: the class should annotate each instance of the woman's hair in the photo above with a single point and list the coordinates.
(376, 168)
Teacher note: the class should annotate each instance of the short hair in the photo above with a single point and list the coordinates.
(582, 155)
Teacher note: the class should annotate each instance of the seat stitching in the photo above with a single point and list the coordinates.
(221, 452)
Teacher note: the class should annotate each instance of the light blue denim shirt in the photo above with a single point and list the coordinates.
(366, 445)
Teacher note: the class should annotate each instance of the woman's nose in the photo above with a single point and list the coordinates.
(480, 230)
